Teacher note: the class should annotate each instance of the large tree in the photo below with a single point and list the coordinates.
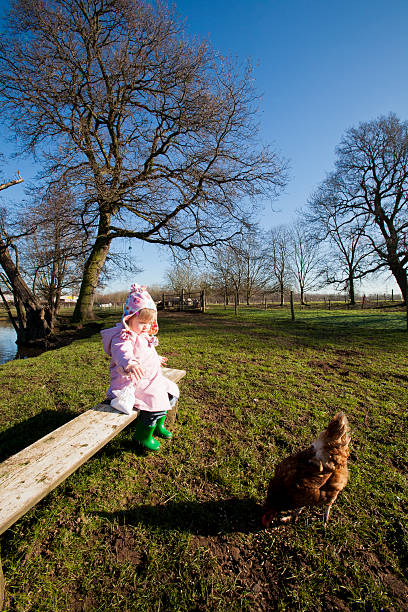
(372, 185)
(156, 134)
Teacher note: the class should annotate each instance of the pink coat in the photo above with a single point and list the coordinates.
(125, 347)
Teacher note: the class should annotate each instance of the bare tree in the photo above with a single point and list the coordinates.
(279, 247)
(34, 322)
(183, 276)
(306, 259)
(220, 261)
(229, 270)
(237, 271)
(155, 134)
(372, 179)
(251, 250)
(347, 254)
(54, 247)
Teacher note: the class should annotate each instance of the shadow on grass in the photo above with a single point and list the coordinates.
(68, 332)
(208, 518)
(21, 435)
(65, 334)
(309, 327)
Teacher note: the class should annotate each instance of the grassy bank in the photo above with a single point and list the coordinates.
(179, 530)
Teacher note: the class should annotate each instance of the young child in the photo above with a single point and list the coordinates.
(135, 369)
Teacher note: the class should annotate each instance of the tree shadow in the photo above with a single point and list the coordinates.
(21, 435)
(64, 334)
(208, 518)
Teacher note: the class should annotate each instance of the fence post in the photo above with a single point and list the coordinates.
(292, 309)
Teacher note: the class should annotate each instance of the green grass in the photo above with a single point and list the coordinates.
(179, 530)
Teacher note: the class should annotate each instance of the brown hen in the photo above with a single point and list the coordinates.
(312, 477)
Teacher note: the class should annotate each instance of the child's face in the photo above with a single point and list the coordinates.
(137, 326)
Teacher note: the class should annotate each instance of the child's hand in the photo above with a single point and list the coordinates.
(135, 371)
(163, 360)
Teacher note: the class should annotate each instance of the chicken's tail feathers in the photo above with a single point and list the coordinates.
(338, 429)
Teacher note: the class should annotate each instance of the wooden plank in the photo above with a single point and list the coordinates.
(28, 476)
(174, 375)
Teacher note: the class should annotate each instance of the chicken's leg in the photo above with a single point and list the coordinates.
(327, 513)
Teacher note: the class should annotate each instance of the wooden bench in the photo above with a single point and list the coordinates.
(31, 474)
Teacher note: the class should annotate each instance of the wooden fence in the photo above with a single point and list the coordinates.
(185, 300)
(327, 302)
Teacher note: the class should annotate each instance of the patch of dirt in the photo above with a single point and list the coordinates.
(125, 547)
(172, 354)
(394, 584)
(253, 575)
(261, 581)
(397, 588)
(82, 604)
(329, 367)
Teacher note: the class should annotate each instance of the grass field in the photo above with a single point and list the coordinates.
(180, 530)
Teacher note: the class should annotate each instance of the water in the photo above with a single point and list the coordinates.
(8, 346)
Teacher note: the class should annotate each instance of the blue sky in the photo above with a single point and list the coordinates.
(322, 66)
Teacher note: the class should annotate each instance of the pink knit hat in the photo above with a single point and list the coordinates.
(138, 299)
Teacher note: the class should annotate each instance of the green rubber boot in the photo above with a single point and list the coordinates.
(144, 435)
(161, 430)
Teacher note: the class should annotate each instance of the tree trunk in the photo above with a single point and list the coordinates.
(93, 266)
(400, 276)
(282, 295)
(302, 296)
(10, 315)
(34, 320)
(292, 307)
(352, 295)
